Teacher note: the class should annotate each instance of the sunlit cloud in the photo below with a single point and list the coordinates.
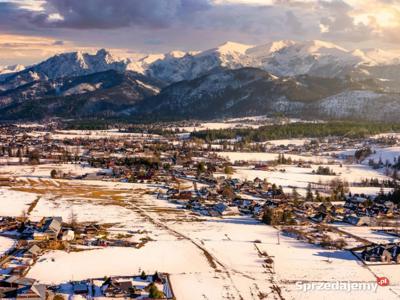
(22, 48)
(34, 5)
(28, 49)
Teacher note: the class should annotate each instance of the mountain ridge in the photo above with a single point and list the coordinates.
(304, 79)
(281, 58)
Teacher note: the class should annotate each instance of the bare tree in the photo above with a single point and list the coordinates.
(73, 219)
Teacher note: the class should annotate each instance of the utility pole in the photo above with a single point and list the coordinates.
(278, 236)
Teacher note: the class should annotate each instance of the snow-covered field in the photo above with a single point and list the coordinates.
(207, 258)
(294, 261)
(172, 256)
(14, 203)
(296, 142)
(265, 156)
(299, 177)
(218, 125)
(195, 272)
(385, 154)
(5, 244)
(43, 171)
(368, 233)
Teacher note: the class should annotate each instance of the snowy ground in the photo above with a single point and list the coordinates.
(172, 256)
(195, 272)
(385, 154)
(265, 156)
(297, 142)
(368, 233)
(43, 171)
(14, 203)
(294, 176)
(208, 258)
(218, 125)
(5, 244)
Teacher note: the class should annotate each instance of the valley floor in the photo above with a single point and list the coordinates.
(220, 258)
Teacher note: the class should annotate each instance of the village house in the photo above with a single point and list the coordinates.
(359, 220)
(377, 253)
(50, 229)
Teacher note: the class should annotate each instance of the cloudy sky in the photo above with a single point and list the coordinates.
(31, 30)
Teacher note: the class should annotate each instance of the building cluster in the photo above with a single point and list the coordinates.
(382, 253)
(155, 286)
(33, 239)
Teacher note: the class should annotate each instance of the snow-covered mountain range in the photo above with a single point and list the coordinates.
(281, 58)
(369, 70)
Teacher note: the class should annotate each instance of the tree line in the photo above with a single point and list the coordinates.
(299, 130)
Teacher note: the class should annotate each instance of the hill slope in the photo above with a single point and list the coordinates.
(101, 94)
(250, 91)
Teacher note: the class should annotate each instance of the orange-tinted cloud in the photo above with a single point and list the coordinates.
(30, 49)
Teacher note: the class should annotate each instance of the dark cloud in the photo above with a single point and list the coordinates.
(153, 42)
(59, 43)
(106, 14)
(182, 24)
(294, 23)
(12, 17)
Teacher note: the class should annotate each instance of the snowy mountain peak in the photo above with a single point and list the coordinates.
(80, 59)
(176, 54)
(80, 63)
(298, 48)
(11, 69)
(278, 45)
(288, 58)
(148, 59)
(108, 57)
(315, 48)
(316, 45)
(231, 47)
(269, 48)
(375, 57)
